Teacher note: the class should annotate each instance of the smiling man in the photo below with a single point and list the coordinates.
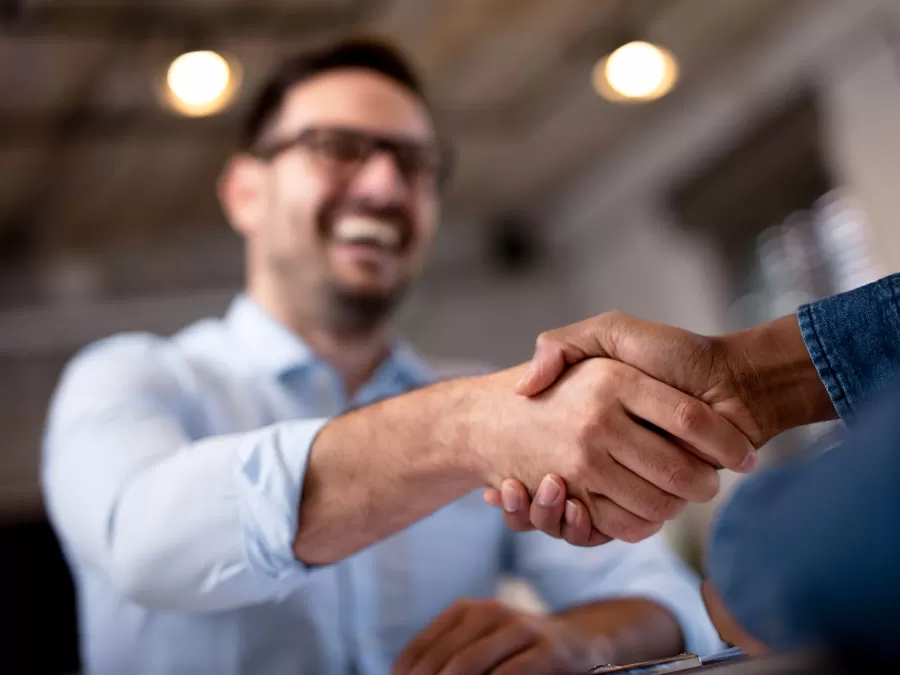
(259, 494)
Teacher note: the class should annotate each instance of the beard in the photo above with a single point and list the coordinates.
(352, 313)
(349, 311)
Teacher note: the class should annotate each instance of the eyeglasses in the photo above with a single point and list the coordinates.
(344, 151)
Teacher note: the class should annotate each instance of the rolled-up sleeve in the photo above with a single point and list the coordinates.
(854, 341)
(173, 522)
(566, 577)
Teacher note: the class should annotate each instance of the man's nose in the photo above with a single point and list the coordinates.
(380, 179)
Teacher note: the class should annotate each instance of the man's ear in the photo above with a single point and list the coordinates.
(242, 193)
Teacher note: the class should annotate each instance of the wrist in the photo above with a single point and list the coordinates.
(483, 404)
(775, 377)
(455, 429)
(476, 426)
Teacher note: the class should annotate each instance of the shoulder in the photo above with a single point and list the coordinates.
(123, 349)
(148, 357)
(126, 361)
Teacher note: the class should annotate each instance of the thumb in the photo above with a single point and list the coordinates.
(559, 348)
(547, 364)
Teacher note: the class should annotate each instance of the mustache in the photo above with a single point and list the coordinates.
(396, 214)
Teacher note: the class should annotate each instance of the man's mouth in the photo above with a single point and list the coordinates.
(367, 231)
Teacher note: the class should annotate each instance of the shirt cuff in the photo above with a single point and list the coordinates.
(851, 339)
(269, 479)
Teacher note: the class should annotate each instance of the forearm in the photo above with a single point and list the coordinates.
(829, 359)
(379, 469)
(625, 630)
(776, 377)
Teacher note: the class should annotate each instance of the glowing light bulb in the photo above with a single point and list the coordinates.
(637, 71)
(200, 83)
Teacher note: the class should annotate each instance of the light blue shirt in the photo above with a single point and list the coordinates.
(173, 469)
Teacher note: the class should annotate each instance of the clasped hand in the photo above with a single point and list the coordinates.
(666, 412)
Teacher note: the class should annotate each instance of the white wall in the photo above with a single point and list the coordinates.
(860, 90)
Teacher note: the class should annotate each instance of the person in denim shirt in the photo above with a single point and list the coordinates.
(802, 556)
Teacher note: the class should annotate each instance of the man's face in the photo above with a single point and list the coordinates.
(334, 221)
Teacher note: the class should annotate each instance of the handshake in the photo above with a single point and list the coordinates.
(618, 423)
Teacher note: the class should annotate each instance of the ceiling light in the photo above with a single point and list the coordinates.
(636, 72)
(201, 83)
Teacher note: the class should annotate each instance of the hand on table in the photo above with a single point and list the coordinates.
(475, 637)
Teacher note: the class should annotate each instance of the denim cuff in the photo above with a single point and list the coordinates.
(854, 341)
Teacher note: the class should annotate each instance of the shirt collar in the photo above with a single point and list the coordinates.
(275, 348)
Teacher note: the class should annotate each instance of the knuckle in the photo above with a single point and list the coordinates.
(680, 478)
(580, 462)
(586, 430)
(634, 531)
(708, 485)
(689, 414)
(546, 339)
(599, 422)
(665, 508)
(618, 530)
(611, 319)
(605, 373)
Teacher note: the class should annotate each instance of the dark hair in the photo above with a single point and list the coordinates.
(368, 53)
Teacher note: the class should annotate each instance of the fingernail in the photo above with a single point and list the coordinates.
(547, 492)
(510, 498)
(571, 512)
(749, 463)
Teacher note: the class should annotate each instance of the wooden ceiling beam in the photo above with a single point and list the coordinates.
(139, 19)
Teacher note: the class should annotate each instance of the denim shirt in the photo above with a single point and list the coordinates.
(807, 554)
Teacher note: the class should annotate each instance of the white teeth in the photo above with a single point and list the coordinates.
(360, 229)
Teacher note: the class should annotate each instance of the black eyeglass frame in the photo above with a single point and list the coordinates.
(441, 154)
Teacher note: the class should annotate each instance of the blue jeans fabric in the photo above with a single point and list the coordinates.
(807, 553)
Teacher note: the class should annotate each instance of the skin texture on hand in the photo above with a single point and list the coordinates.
(630, 479)
(477, 637)
(692, 363)
(436, 444)
(762, 380)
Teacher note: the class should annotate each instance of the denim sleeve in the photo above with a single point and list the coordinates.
(854, 341)
(806, 554)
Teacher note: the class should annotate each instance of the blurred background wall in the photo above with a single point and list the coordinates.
(765, 178)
